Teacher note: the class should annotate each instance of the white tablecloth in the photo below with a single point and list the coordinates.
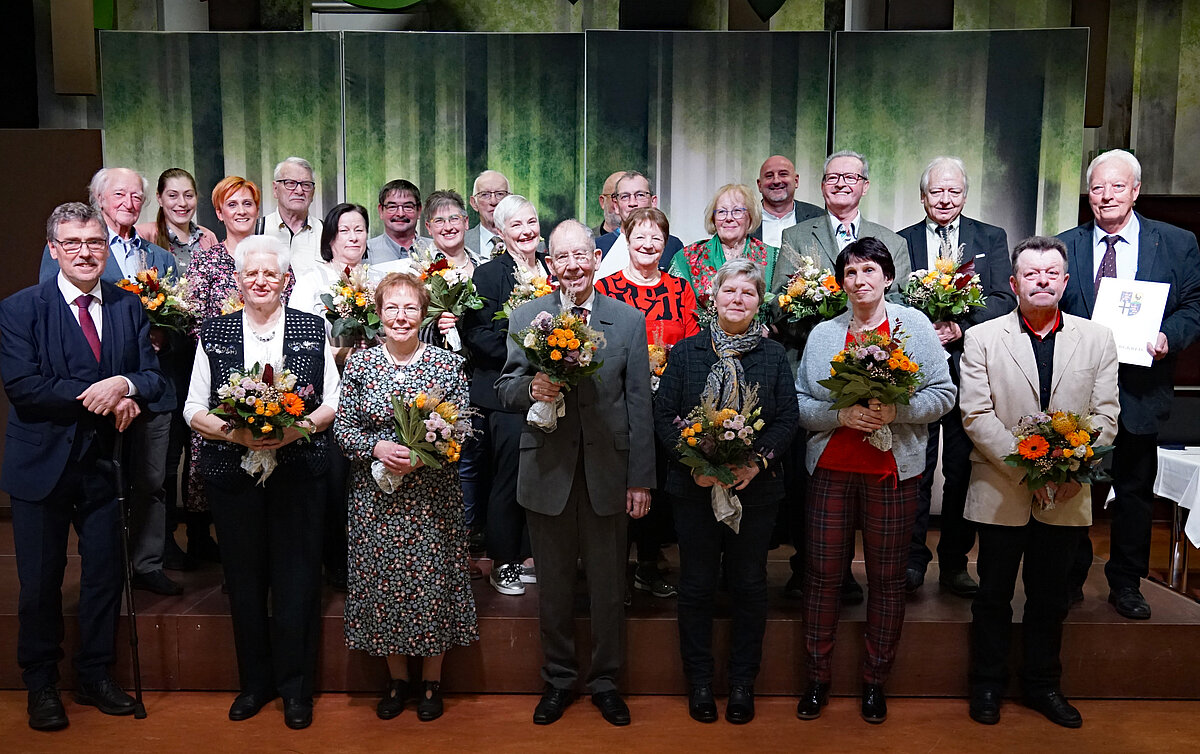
(1179, 480)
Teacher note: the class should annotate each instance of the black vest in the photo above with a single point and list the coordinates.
(303, 354)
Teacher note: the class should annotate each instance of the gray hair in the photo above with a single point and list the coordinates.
(866, 169)
(1116, 154)
(508, 208)
(945, 162)
(104, 176)
(71, 212)
(262, 245)
(567, 225)
(486, 174)
(299, 162)
(1039, 243)
(742, 267)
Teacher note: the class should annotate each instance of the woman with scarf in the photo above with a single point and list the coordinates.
(733, 366)
(854, 483)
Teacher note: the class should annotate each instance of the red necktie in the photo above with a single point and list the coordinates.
(87, 325)
(1108, 263)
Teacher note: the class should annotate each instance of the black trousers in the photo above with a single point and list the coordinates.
(1047, 552)
(85, 498)
(270, 538)
(702, 540)
(474, 472)
(505, 518)
(957, 533)
(1134, 466)
(795, 476)
(334, 541)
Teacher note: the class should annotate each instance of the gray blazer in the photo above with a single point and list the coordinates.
(608, 415)
(812, 238)
(909, 433)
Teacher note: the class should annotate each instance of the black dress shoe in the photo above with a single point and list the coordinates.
(874, 703)
(959, 583)
(985, 706)
(553, 702)
(429, 704)
(815, 697)
(852, 592)
(701, 704)
(1056, 708)
(107, 696)
(794, 589)
(612, 707)
(392, 703)
(297, 713)
(913, 579)
(247, 705)
(175, 559)
(1130, 603)
(46, 709)
(157, 582)
(739, 710)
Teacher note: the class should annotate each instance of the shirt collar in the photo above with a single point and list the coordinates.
(70, 292)
(134, 241)
(306, 225)
(767, 214)
(193, 234)
(835, 223)
(587, 303)
(1058, 325)
(951, 226)
(1128, 233)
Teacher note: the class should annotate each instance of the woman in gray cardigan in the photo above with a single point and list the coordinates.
(855, 484)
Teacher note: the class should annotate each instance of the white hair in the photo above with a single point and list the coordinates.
(299, 162)
(945, 162)
(488, 174)
(104, 176)
(866, 170)
(262, 245)
(508, 208)
(1116, 154)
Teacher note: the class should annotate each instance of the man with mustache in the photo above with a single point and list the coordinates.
(399, 209)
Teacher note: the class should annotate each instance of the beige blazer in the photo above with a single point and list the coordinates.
(1000, 385)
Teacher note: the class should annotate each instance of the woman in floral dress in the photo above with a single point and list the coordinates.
(731, 215)
(409, 578)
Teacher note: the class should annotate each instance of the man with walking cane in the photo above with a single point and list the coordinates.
(76, 362)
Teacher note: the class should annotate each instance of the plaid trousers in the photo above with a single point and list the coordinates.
(838, 502)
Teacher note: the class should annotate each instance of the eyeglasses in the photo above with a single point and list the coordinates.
(290, 185)
(832, 179)
(391, 207)
(410, 310)
(491, 196)
(641, 196)
(1117, 188)
(438, 222)
(579, 255)
(73, 245)
(270, 276)
(737, 213)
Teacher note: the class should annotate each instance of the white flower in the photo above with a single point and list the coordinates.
(530, 340)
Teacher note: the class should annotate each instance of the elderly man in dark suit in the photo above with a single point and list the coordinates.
(581, 482)
(76, 360)
(943, 193)
(1122, 243)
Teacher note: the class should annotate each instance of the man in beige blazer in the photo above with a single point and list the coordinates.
(1034, 359)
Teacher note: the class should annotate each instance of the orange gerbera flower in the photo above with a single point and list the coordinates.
(830, 283)
(292, 403)
(1033, 447)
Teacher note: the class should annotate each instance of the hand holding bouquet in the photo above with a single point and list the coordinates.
(529, 286)
(873, 365)
(265, 402)
(168, 301)
(350, 306)
(561, 346)
(811, 293)
(1056, 448)
(450, 290)
(432, 428)
(948, 291)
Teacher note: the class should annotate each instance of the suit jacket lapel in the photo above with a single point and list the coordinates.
(1148, 241)
(1081, 252)
(1065, 343)
(111, 336)
(824, 240)
(1018, 345)
(918, 250)
(112, 268)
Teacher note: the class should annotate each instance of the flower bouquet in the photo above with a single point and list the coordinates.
(873, 365)
(658, 363)
(561, 346)
(350, 306)
(265, 401)
(431, 427)
(948, 291)
(811, 293)
(529, 286)
(168, 301)
(713, 441)
(1057, 447)
(233, 303)
(450, 290)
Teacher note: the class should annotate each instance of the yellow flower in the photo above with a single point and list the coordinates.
(840, 357)
(556, 355)
(419, 401)
(448, 411)
(691, 441)
(944, 265)
(697, 427)
(572, 344)
(784, 299)
(1063, 423)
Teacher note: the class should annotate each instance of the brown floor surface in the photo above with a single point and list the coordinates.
(347, 723)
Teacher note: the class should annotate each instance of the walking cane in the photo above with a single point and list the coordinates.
(139, 709)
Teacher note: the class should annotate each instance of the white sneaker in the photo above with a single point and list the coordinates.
(506, 579)
(528, 574)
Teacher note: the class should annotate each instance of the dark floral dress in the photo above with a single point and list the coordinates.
(409, 586)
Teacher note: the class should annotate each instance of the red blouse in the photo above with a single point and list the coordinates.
(669, 305)
(848, 449)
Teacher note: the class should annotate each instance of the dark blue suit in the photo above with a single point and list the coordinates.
(56, 467)
(988, 246)
(1166, 254)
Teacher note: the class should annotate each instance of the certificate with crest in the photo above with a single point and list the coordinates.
(1133, 310)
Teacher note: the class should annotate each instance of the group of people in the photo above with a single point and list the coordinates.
(87, 376)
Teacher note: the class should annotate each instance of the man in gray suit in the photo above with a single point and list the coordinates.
(844, 182)
(579, 483)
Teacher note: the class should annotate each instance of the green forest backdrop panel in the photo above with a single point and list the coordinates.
(438, 109)
(1009, 103)
(696, 110)
(224, 104)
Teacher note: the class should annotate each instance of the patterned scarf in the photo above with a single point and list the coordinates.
(726, 378)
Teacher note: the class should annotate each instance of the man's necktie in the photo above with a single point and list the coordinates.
(580, 312)
(943, 232)
(495, 244)
(1108, 263)
(845, 235)
(87, 325)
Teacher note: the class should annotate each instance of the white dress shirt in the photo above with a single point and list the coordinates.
(616, 259)
(1127, 248)
(835, 224)
(587, 303)
(305, 245)
(70, 293)
(773, 227)
(933, 242)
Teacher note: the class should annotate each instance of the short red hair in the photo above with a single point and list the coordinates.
(230, 185)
